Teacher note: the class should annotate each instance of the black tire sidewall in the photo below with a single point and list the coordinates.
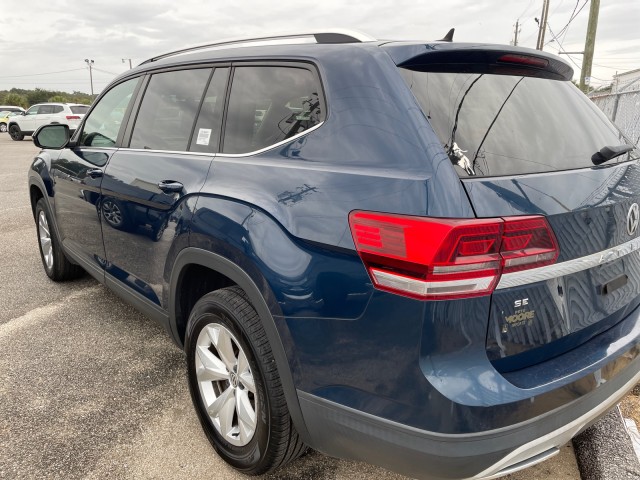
(250, 457)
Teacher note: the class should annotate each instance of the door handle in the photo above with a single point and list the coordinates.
(94, 173)
(170, 186)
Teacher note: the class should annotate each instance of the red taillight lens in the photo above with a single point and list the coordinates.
(524, 60)
(435, 258)
(527, 243)
(73, 117)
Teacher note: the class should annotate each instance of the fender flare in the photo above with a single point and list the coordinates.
(205, 258)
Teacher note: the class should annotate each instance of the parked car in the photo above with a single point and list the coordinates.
(44, 113)
(422, 255)
(11, 108)
(4, 119)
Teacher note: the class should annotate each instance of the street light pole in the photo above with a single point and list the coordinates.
(90, 63)
(123, 61)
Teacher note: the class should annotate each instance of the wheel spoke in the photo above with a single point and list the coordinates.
(42, 222)
(224, 408)
(212, 370)
(222, 341)
(246, 413)
(244, 373)
(219, 403)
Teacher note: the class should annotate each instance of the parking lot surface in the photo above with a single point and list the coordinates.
(90, 388)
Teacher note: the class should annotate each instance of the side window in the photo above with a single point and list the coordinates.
(33, 110)
(206, 135)
(268, 105)
(57, 108)
(105, 120)
(169, 109)
(45, 109)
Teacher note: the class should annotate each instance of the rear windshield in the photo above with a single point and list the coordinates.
(79, 108)
(493, 125)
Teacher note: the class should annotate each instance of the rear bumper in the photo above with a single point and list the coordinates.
(345, 432)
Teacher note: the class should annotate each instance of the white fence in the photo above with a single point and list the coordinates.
(623, 109)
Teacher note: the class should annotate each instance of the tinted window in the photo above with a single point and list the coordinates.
(33, 110)
(45, 109)
(507, 125)
(268, 105)
(79, 109)
(57, 108)
(206, 135)
(168, 110)
(103, 124)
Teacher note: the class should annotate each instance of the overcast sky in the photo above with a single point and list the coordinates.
(41, 37)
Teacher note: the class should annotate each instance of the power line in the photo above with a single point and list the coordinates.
(104, 71)
(574, 14)
(526, 9)
(45, 73)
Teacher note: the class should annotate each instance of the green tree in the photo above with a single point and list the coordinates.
(38, 96)
(58, 99)
(16, 99)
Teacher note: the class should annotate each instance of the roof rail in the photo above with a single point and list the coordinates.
(334, 35)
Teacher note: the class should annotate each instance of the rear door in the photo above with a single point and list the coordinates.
(527, 146)
(44, 115)
(147, 186)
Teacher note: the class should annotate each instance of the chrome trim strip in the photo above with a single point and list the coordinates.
(509, 280)
(256, 152)
(557, 437)
(180, 152)
(229, 155)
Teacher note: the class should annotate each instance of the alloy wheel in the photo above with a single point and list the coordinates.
(44, 234)
(112, 213)
(226, 383)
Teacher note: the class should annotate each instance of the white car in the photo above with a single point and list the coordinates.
(44, 113)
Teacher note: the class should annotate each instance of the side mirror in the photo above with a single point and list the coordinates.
(53, 136)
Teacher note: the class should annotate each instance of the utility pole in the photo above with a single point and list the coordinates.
(90, 63)
(123, 61)
(589, 46)
(542, 25)
(515, 37)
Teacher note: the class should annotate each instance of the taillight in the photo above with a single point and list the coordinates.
(524, 60)
(73, 117)
(436, 258)
(527, 242)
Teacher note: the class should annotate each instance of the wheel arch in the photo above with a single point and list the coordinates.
(226, 269)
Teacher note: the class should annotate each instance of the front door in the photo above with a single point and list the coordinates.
(78, 174)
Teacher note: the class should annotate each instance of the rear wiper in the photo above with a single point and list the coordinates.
(609, 152)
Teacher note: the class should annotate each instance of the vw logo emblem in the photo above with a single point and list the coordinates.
(633, 218)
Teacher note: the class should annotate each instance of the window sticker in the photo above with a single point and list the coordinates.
(204, 135)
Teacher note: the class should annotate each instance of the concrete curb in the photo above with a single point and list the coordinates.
(604, 451)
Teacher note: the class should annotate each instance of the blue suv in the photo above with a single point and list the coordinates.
(423, 255)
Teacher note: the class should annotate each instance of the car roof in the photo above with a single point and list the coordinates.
(314, 46)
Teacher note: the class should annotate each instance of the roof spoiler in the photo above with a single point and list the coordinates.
(478, 58)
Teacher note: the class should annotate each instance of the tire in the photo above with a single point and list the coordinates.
(251, 430)
(3, 127)
(15, 133)
(56, 265)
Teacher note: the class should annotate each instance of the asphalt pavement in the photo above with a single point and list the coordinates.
(90, 388)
